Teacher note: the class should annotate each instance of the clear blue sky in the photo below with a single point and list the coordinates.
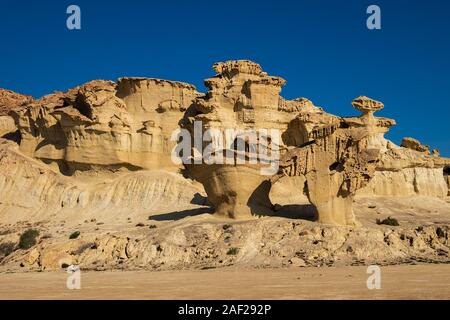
(322, 48)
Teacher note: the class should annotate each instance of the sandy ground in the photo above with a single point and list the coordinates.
(397, 282)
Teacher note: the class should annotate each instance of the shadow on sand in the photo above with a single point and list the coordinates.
(301, 211)
(177, 215)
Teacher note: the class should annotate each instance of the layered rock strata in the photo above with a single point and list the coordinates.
(128, 125)
(243, 99)
(102, 124)
(339, 158)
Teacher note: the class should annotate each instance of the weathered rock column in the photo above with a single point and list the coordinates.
(241, 98)
(338, 159)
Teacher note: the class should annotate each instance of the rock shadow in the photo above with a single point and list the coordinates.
(177, 215)
(200, 200)
(297, 211)
(259, 201)
(260, 204)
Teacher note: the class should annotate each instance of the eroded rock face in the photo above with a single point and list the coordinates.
(405, 172)
(102, 124)
(10, 100)
(241, 97)
(31, 190)
(415, 144)
(7, 126)
(339, 158)
(336, 156)
(447, 177)
(128, 125)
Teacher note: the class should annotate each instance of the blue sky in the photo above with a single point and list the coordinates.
(321, 47)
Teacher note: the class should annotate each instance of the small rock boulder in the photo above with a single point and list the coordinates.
(415, 144)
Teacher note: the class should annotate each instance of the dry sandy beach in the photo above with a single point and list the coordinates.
(397, 282)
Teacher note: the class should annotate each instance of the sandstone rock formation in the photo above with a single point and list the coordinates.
(338, 159)
(31, 190)
(91, 126)
(241, 97)
(119, 131)
(7, 127)
(404, 172)
(415, 144)
(10, 100)
(448, 183)
(447, 177)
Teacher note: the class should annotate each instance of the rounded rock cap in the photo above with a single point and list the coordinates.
(367, 105)
(233, 67)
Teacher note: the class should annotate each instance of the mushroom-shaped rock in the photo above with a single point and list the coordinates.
(242, 102)
(338, 159)
(367, 105)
